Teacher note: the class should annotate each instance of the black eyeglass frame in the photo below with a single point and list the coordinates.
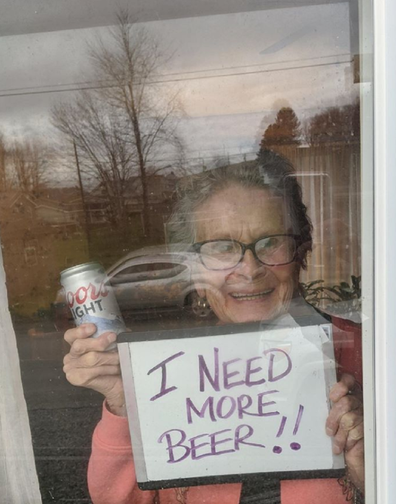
(196, 247)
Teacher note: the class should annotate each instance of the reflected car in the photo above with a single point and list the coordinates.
(160, 281)
(148, 280)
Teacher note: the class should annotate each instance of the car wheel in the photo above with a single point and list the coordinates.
(197, 307)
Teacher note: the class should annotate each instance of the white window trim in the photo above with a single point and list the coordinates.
(385, 246)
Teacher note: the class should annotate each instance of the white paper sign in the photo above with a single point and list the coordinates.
(230, 404)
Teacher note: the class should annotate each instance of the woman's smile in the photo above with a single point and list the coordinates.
(254, 296)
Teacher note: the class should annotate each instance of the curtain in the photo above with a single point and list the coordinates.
(329, 175)
(18, 478)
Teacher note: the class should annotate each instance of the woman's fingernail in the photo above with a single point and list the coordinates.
(89, 328)
(111, 337)
(336, 450)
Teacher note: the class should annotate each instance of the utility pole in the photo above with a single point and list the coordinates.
(85, 210)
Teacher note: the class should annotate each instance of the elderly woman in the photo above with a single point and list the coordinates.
(250, 228)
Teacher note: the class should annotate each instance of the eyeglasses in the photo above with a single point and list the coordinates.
(274, 250)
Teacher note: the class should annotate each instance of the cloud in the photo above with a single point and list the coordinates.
(228, 77)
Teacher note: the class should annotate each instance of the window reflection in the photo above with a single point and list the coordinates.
(86, 176)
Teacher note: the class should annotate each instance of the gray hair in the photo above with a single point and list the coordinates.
(270, 171)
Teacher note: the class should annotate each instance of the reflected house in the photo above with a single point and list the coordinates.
(46, 233)
(161, 189)
(40, 235)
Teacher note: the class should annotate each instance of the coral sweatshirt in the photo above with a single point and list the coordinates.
(111, 474)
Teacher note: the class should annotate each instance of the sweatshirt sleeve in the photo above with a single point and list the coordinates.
(348, 347)
(111, 471)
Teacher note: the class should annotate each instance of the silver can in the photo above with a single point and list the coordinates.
(91, 299)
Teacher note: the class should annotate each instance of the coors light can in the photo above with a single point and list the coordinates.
(91, 299)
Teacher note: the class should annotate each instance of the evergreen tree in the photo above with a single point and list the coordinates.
(286, 130)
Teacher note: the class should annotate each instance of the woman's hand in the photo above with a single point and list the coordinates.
(345, 424)
(89, 364)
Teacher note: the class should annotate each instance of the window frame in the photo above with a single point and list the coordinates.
(384, 13)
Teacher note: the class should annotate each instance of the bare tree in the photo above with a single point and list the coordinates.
(27, 162)
(103, 146)
(126, 127)
(335, 125)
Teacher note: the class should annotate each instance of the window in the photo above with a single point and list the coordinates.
(138, 268)
(245, 121)
(31, 256)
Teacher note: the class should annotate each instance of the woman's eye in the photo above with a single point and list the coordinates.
(269, 243)
(218, 249)
(225, 248)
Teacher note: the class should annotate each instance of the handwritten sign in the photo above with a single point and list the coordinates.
(230, 404)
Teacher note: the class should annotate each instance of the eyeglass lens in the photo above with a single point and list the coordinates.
(272, 250)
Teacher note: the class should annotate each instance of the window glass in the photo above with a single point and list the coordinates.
(205, 163)
(139, 268)
(162, 266)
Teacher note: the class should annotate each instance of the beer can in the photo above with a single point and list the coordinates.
(91, 298)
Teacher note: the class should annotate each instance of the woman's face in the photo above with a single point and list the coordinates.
(251, 291)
